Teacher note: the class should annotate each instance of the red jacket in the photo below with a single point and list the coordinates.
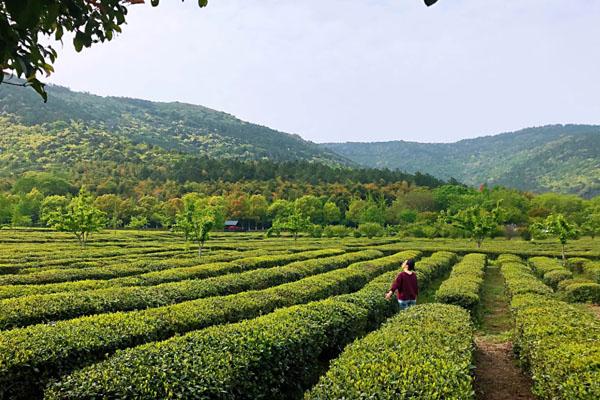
(406, 285)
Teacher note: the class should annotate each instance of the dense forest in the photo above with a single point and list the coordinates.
(558, 158)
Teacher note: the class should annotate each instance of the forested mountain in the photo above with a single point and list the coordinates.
(173, 126)
(559, 158)
(128, 147)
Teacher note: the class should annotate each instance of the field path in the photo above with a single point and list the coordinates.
(595, 309)
(497, 377)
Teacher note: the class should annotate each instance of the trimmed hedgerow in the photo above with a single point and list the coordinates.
(464, 284)
(583, 292)
(27, 310)
(40, 351)
(592, 269)
(519, 279)
(550, 270)
(271, 357)
(560, 344)
(424, 352)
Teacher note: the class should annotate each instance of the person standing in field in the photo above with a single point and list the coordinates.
(405, 285)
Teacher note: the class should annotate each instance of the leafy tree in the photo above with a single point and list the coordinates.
(280, 209)
(114, 207)
(591, 225)
(138, 222)
(558, 226)
(331, 213)
(196, 221)
(310, 206)
(51, 205)
(476, 221)
(257, 208)
(294, 223)
(27, 25)
(28, 208)
(6, 209)
(80, 217)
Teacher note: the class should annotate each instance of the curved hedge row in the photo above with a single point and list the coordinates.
(283, 352)
(464, 284)
(550, 270)
(54, 276)
(519, 279)
(28, 310)
(145, 273)
(422, 353)
(559, 343)
(30, 355)
(82, 277)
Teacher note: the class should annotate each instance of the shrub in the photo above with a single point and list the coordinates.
(583, 292)
(27, 310)
(336, 231)
(282, 351)
(561, 345)
(553, 278)
(371, 229)
(423, 352)
(37, 352)
(464, 284)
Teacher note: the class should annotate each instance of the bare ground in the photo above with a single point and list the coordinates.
(496, 376)
(595, 309)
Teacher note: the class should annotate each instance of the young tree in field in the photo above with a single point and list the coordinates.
(294, 223)
(591, 226)
(80, 217)
(557, 225)
(196, 221)
(476, 221)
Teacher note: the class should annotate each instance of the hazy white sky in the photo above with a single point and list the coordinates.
(358, 70)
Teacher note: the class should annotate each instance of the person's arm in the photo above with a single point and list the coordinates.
(393, 288)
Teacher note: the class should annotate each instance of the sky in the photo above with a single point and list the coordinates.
(358, 70)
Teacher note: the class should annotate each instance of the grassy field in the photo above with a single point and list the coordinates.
(137, 314)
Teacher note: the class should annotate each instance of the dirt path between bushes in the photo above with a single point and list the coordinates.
(497, 376)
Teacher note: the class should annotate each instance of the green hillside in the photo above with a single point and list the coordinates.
(171, 126)
(560, 158)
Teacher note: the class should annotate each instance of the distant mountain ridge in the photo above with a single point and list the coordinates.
(560, 158)
(172, 126)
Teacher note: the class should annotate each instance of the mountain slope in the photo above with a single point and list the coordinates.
(561, 158)
(171, 126)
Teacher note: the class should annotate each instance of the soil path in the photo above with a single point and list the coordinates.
(497, 377)
(595, 309)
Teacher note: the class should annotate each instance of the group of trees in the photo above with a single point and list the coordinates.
(445, 211)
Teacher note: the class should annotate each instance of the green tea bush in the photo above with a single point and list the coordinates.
(551, 270)
(422, 353)
(28, 310)
(553, 278)
(519, 279)
(336, 231)
(463, 286)
(592, 270)
(557, 342)
(270, 357)
(560, 344)
(31, 355)
(282, 351)
(583, 292)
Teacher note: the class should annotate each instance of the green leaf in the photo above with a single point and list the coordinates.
(202, 3)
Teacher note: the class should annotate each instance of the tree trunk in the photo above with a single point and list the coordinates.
(479, 243)
(200, 247)
(564, 258)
